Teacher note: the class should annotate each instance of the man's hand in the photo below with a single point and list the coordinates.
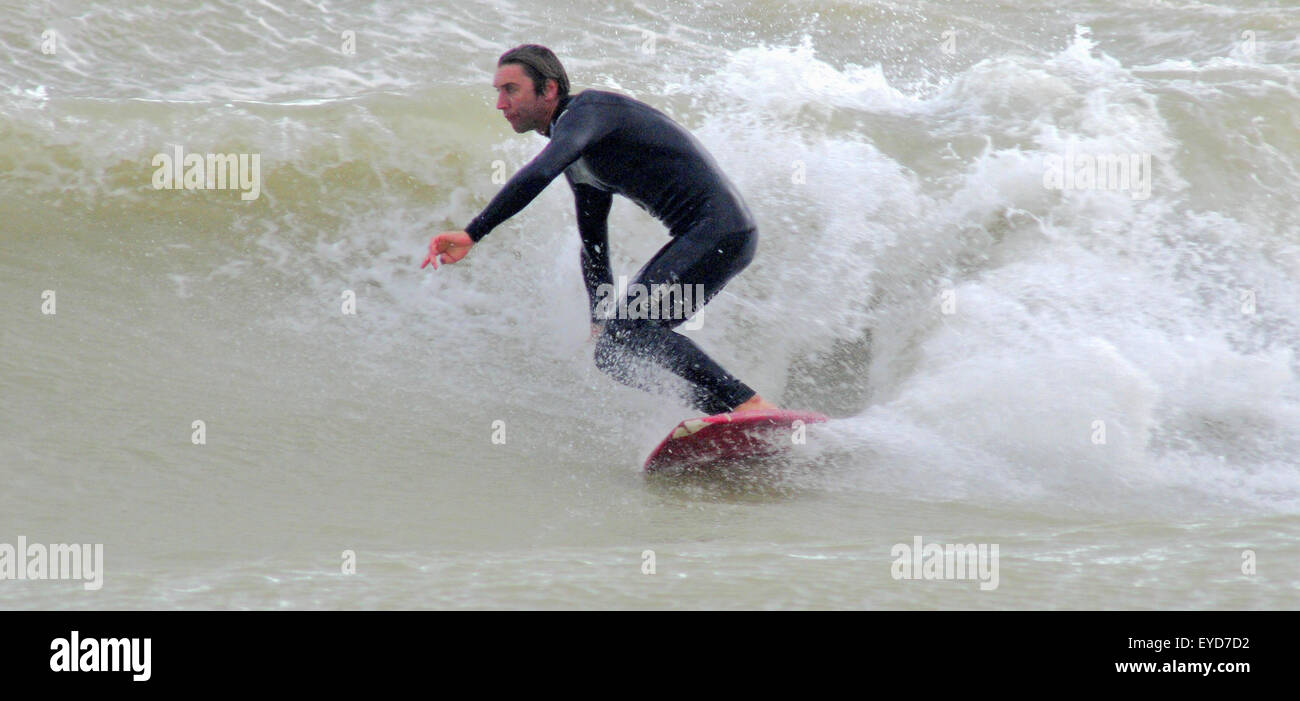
(447, 247)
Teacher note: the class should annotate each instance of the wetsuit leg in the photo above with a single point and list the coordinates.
(694, 258)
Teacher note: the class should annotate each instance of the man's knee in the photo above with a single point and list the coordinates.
(606, 351)
(620, 341)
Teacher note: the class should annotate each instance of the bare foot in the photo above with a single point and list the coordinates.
(756, 403)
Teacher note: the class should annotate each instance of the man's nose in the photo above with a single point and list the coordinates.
(501, 102)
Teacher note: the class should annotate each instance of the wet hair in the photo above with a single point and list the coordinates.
(540, 64)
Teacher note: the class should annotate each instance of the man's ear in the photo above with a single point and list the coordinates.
(552, 89)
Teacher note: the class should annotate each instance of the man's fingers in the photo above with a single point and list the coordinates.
(435, 248)
(442, 250)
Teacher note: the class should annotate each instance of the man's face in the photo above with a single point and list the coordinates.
(518, 100)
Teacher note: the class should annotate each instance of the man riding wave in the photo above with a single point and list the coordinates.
(607, 144)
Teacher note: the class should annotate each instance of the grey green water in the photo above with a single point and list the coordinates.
(1099, 378)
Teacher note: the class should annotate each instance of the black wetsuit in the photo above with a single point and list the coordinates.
(605, 144)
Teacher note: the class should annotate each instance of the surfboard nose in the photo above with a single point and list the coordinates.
(688, 427)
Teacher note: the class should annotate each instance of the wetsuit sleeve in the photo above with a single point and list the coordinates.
(575, 130)
(593, 216)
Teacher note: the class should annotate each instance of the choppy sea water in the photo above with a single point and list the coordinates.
(1096, 374)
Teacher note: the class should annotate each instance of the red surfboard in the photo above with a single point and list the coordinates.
(723, 438)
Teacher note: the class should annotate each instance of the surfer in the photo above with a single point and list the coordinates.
(607, 144)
